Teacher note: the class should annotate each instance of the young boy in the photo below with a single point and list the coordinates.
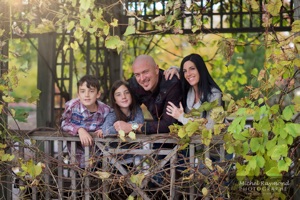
(85, 114)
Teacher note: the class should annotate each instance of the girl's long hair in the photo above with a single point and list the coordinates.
(119, 114)
(205, 84)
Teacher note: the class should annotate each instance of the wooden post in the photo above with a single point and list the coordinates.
(46, 75)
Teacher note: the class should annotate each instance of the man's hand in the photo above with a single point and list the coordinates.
(169, 73)
(85, 138)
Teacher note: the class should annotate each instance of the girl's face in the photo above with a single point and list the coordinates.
(191, 73)
(122, 97)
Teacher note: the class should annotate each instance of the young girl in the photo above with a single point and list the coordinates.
(127, 115)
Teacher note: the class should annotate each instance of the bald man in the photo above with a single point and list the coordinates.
(154, 91)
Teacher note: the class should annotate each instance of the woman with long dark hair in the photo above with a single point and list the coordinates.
(198, 87)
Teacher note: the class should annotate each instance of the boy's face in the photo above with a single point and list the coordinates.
(88, 96)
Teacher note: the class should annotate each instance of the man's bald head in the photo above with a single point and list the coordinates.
(146, 72)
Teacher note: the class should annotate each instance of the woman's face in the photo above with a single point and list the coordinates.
(191, 73)
(122, 97)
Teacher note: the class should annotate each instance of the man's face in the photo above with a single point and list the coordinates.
(146, 74)
(88, 96)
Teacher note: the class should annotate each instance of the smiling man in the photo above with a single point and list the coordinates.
(152, 89)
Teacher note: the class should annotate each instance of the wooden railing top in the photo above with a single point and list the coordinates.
(158, 138)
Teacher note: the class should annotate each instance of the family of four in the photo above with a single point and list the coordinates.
(166, 94)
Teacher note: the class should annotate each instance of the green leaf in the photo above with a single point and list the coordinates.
(279, 151)
(191, 128)
(274, 172)
(290, 140)
(282, 166)
(207, 106)
(238, 136)
(182, 133)
(254, 72)
(252, 163)
(245, 148)
(260, 161)
(292, 129)
(278, 126)
(241, 112)
(20, 115)
(271, 143)
(296, 26)
(255, 144)
(129, 30)
(85, 4)
(288, 112)
(71, 25)
(206, 137)
(264, 124)
(78, 33)
(86, 22)
(113, 42)
(7, 157)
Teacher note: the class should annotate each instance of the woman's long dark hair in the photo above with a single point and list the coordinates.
(205, 84)
(119, 114)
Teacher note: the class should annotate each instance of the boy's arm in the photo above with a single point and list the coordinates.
(85, 138)
(66, 123)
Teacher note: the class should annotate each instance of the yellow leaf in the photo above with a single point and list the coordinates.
(208, 163)
(103, 175)
(130, 198)
(8, 99)
(131, 135)
(274, 7)
(121, 133)
(137, 179)
(114, 23)
(190, 177)
(66, 47)
(254, 5)
(204, 191)
(129, 30)
(74, 45)
(220, 169)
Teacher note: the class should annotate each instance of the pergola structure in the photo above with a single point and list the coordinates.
(56, 66)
